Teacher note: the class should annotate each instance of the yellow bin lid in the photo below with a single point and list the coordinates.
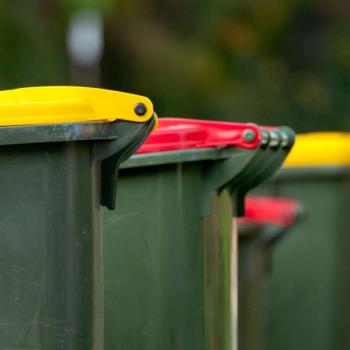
(320, 149)
(66, 104)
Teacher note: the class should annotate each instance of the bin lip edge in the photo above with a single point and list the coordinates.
(65, 132)
(185, 156)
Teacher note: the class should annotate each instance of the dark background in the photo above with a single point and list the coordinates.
(270, 62)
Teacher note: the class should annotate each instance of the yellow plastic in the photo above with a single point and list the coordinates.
(320, 149)
(66, 104)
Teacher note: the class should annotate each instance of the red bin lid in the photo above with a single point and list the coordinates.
(178, 134)
(270, 210)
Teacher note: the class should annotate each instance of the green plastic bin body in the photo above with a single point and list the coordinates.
(170, 273)
(253, 262)
(170, 269)
(267, 221)
(310, 285)
(51, 294)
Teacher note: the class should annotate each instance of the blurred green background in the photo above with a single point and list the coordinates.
(270, 62)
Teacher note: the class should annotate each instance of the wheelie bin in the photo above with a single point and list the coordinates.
(266, 221)
(170, 252)
(310, 285)
(60, 150)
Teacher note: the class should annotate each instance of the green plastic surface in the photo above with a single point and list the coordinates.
(168, 280)
(252, 265)
(310, 285)
(170, 262)
(50, 245)
(255, 244)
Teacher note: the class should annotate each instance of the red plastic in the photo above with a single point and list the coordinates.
(178, 134)
(270, 210)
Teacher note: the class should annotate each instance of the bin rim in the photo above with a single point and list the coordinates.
(49, 133)
(186, 156)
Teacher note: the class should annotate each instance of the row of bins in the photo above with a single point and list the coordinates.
(187, 261)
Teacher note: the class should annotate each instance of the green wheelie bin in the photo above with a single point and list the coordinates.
(266, 221)
(170, 251)
(310, 285)
(60, 148)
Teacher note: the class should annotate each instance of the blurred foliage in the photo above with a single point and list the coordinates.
(266, 61)
(32, 36)
(271, 62)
